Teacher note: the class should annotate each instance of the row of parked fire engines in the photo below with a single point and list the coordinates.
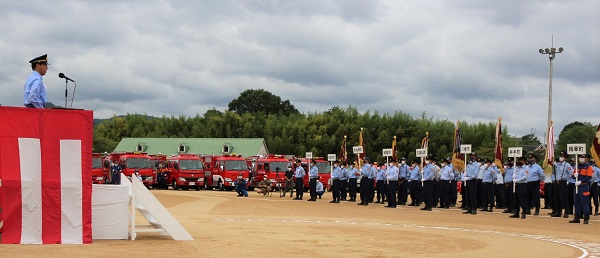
(190, 171)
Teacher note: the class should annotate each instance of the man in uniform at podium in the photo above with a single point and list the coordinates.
(34, 89)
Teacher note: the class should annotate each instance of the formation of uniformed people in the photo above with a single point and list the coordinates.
(485, 186)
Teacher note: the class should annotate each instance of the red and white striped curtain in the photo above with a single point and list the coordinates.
(45, 167)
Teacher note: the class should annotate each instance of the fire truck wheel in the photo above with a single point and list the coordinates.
(197, 188)
(185, 188)
(175, 186)
(220, 186)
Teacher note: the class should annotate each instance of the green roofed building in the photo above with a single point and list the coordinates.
(169, 146)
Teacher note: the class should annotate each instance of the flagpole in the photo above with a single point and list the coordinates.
(514, 175)
(427, 150)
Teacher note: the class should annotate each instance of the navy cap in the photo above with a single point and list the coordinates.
(531, 155)
(40, 60)
(473, 154)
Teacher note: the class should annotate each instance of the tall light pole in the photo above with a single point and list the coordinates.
(551, 52)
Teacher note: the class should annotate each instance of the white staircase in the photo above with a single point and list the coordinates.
(159, 218)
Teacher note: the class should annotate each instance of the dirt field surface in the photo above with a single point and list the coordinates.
(224, 225)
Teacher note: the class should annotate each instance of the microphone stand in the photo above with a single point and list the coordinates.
(66, 82)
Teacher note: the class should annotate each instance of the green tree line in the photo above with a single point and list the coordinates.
(320, 133)
(260, 114)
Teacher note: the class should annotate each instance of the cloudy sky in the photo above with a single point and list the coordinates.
(473, 60)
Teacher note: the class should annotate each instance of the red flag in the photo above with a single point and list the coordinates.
(458, 159)
(498, 148)
(359, 157)
(425, 145)
(394, 154)
(46, 175)
(343, 157)
(549, 159)
(595, 148)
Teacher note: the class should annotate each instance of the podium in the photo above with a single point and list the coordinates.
(45, 173)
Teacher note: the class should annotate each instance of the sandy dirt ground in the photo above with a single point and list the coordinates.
(224, 225)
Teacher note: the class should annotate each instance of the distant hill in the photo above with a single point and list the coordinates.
(98, 121)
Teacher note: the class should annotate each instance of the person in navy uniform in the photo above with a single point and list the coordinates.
(161, 176)
(392, 183)
(402, 181)
(488, 179)
(365, 173)
(344, 182)
(446, 176)
(241, 186)
(320, 189)
(353, 175)
(535, 174)
(582, 175)
(380, 180)
(415, 184)
(115, 171)
(520, 179)
(427, 181)
(561, 175)
(313, 177)
(372, 177)
(335, 181)
(34, 88)
(471, 173)
(508, 186)
(299, 175)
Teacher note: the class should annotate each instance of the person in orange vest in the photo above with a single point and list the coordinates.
(582, 175)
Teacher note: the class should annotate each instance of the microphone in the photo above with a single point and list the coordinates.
(62, 75)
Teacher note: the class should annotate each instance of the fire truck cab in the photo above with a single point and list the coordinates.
(185, 171)
(273, 165)
(98, 172)
(132, 162)
(221, 171)
(324, 171)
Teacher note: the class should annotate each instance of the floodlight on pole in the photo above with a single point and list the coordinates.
(551, 52)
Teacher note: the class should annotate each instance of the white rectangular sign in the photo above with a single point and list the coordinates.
(309, 155)
(515, 152)
(357, 149)
(465, 148)
(331, 157)
(387, 152)
(421, 153)
(576, 148)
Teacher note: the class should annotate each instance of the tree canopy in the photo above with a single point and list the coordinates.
(261, 101)
(290, 132)
(576, 132)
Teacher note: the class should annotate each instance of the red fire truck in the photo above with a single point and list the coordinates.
(98, 172)
(185, 171)
(221, 171)
(274, 166)
(132, 162)
(324, 171)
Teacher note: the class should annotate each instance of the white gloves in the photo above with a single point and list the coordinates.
(423, 180)
(360, 170)
(576, 174)
(577, 182)
(514, 180)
